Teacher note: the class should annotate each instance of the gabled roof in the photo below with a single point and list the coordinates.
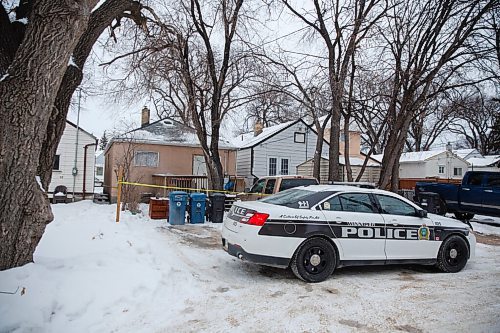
(248, 140)
(465, 153)
(167, 131)
(486, 161)
(417, 156)
(80, 128)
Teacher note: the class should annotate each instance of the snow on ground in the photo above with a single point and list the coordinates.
(93, 275)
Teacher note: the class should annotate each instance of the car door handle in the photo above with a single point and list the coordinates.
(466, 189)
(488, 191)
(395, 223)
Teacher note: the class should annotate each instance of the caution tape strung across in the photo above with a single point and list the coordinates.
(185, 188)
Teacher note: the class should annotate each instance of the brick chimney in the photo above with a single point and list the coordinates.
(257, 128)
(145, 116)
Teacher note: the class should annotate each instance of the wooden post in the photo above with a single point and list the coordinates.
(119, 194)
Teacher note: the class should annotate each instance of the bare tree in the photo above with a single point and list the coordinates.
(36, 84)
(426, 40)
(351, 22)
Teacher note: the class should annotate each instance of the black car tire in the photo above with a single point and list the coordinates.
(464, 216)
(453, 254)
(312, 270)
(442, 207)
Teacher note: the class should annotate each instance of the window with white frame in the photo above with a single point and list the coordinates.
(56, 166)
(146, 159)
(273, 161)
(284, 166)
(457, 171)
(441, 169)
(99, 171)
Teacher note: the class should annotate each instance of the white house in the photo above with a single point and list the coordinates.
(430, 164)
(486, 163)
(275, 150)
(74, 161)
(467, 153)
(99, 165)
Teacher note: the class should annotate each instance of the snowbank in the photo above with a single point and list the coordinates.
(93, 275)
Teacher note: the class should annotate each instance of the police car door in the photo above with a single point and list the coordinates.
(357, 225)
(407, 234)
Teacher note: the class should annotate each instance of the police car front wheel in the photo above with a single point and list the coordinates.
(453, 254)
(314, 261)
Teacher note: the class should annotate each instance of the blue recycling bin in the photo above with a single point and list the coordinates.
(177, 212)
(197, 206)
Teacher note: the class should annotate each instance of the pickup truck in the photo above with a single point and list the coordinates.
(273, 184)
(479, 193)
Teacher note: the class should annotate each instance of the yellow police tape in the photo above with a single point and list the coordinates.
(186, 188)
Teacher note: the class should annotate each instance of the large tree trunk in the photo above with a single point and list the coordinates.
(26, 98)
(334, 167)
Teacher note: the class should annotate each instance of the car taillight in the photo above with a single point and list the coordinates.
(258, 219)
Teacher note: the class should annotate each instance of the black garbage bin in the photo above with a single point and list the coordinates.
(217, 202)
(430, 201)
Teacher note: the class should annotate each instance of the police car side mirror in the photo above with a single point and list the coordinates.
(421, 213)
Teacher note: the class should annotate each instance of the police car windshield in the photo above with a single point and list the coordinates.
(288, 197)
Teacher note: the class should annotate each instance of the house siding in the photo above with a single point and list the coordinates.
(371, 173)
(430, 167)
(66, 152)
(282, 146)
(172, 160)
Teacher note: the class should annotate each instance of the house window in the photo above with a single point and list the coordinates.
(284, 166)
(99, 171)
(55, 166)
(441, 169)
(272, 166)
(146, 159)
(299, 137)
(457, 171)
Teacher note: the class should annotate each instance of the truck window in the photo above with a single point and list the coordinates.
(476, 179)
(493, 180)
(270, 186)
(287, 183)
(257, 187)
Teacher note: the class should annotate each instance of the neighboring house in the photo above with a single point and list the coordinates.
(99, 166)
(486, 163)
(275, 150)
(76, 144)
(164, 148)
(371, 173)
(442, 164)
(467, 153)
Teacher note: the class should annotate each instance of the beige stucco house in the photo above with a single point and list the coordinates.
(155, 152)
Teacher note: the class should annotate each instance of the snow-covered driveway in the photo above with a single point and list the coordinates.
(93, 275)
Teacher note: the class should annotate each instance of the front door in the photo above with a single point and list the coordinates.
(408, 236)
(356, 225)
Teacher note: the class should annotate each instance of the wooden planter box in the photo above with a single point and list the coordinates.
(158, 208)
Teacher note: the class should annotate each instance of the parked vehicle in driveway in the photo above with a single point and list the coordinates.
(274, 184)
(479, 193)
(315, 229)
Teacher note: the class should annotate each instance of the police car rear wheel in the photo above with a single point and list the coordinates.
(453, 255)
(314, 260)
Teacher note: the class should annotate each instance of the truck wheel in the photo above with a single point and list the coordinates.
(442, 207)
(464, 216)
(314, 261)
(453, 254)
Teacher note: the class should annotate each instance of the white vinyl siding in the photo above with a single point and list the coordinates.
(282, 146)
(66, 152)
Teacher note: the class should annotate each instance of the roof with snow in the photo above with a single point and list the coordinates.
(466, 153)
(416, 156)
(167, 131)
(249, 140)
(486, 161)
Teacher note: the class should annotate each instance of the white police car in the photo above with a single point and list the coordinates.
(315, 229)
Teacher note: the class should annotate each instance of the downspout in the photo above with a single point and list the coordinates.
(85, 164)
(74, 172)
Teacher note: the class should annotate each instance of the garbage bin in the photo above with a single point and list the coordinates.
(177, 207)
(197, 204)
(217, 201)
(430, 201)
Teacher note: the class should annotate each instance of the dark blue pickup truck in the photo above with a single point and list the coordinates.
(479, 193)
